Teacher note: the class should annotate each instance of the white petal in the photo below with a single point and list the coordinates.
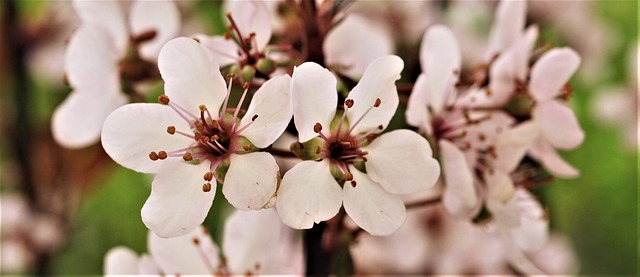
(484, 134)
(377, 211)
(401, 162)
(377, 82)
(272, 104)
(133, 131)
(120, 260)
(181, 255)
(252, 17)
(533, 231)
(314, 98)
(91, 60)
(107, 15)
(545, 154)
(160, 16)
(147, 266)
(417, 113)
(503, 75)
(251, 180)
(308, 193)
(559, 124)
(177, 203)
(77, 122)
(225, 50)
(521, 51)
(354, 43)
(460, 197)
(440, 60)
(501, 199)
(507, 26)
(512, 145)
(191, 75)
(552, 71)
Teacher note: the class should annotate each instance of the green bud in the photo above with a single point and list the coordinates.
(247, 73)
(234, 69)
(308, 150)
(520, 105)
(266, 66)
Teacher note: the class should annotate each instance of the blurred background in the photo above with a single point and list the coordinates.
(62, 210)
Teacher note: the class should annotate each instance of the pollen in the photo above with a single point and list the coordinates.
(163, 99)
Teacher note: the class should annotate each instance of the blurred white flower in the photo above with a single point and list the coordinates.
(187, 143)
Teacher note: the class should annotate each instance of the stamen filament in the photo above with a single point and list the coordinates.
(226, 98)
(235, 113)
(375, 105)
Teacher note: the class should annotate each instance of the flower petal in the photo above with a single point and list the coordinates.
(133, 131)
(512, 145)
(314, 98)
(191, 253)
(307, 194)
(440, 59)
(251, 180)
(225, 50)
(107, 15)
(377, 82)
(91, 60)
(120, 260)
(252, 17)
(501, 199)
(377, 211)
(558, 124)
(191, 75)
(77, 122)
(533, 231)
(354, 44)
(417, 113)
(272, 104)
(545, 154)
(460, 197)
(177, 203)
(552, 71)
(401, 162)
(507, 26)
(160, 16)
(147, 266)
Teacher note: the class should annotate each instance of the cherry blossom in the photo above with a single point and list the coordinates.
(187, 143)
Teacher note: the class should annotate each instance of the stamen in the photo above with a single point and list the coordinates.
(348, 103)
(187, 156)
(208, 176)
(171, 130)
(317, 128)
(162, 155)
(235, 113)
(353, 183)
(348, 176)
(163, 99)
(206, 187)
(241, 40)
(153, 156)
(203, 255)
(375, 105)
(226, 98)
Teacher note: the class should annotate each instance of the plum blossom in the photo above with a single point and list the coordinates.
(373, 169)
(187, 143)
(98, 59)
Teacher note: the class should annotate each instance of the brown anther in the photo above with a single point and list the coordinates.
(196, 241)
(348, 103)
(187, 157)
(252, 35)
(246, 85)
(171, 130)
(206, 187)
(153, 156)
(254, 117)
(231, 75)
(371, 137)
(377, 103)
(208, 176)
(199, 126)
(380, 127)
(317, 128)
(215, 124)
(227, 36)
(197, 136)
(348, 176)
(246, 147)
(196, 40)
(353, 183)
(202, 108)
(163, 99)
(215, 137)
(162, 155)
(318, 150)
(205, 139)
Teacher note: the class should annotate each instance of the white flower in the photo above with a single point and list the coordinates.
(92, 62)
(188, 143)
(398, 162)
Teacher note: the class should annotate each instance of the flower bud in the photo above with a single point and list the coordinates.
(247, 73)
(265, 66)
(520, 105)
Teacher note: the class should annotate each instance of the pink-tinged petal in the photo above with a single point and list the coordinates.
(559, 124)
(460, 197)
(533, 231)
(133, 131)
(491, 125)
(120, 260)
(401, 162)
(440, 59)
(191, 253)
(378, 82)
(251, 180)
(545, 154)
(177, 203)
(501, 199)
(377, 211)
(252, 17)
(314, 98)
(552, 71)
(503, 75)
(353, 44)
(507, 26)
(512, 145)
(272, 104)
(91, 60)
(308, 193)
(160, 16)
(521, 51)
(77, 122)
(417, 113)
(225, 50)
(191, 75)
(108, 15)
(147, 266)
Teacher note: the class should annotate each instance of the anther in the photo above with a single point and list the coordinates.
(348, 103)
(246, 147)
(200, 126)
(163, 99)
(348, 176)
(353, 183)
(254, 117)
(206, 187)
(197, 136)
(317, 128)
(171, 130)
(196, 241)
(162, 155)
(208, 176)
(380, 127)
(215, 124)
(205, 139)
(215, 137)
(153, 156)
(231, 75)
(246, 85)
(377, 103)
(202, 108)
(196, 40)
(187, 157)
